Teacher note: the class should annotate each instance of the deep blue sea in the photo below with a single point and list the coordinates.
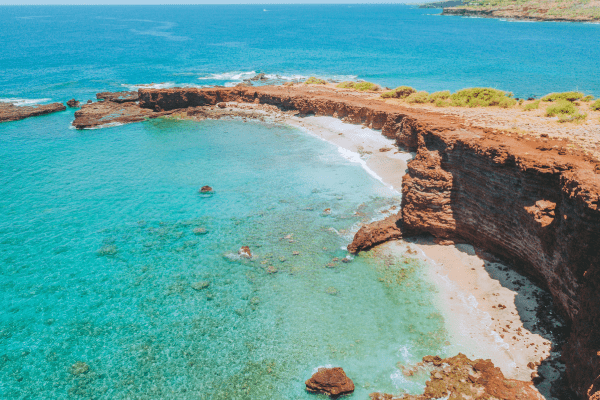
(118, 280)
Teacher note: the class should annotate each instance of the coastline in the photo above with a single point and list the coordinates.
(515, 13)
(468, 294)
(461, 185)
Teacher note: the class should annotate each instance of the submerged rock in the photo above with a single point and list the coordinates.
(332, 291)
(271, 269)
(80, 368)
(200, 231)
(200, 285)
(331, 381)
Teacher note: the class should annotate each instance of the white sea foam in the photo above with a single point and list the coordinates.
(162, 85)
(108, 125)
(356, 158)
(23, 102)
(316, 369)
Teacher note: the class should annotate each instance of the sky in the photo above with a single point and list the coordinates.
(155, 2)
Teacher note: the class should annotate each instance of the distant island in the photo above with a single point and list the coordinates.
(536, 10)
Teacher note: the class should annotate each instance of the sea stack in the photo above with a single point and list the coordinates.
(330, 381)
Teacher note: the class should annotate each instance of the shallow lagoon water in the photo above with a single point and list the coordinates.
(100, 264)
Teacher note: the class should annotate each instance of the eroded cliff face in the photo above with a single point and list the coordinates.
(532, 201)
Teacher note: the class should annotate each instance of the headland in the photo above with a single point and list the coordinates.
(530, 197)
(533, 10)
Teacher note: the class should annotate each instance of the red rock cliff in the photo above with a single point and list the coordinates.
(533, 202)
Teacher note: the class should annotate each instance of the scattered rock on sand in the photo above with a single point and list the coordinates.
(245, 252)
(331, 381)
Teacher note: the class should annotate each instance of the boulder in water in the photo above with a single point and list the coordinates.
(73, 103)
(206, 189)
(245, 252)
(331, 381)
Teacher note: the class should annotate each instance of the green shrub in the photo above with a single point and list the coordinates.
(362, 86)
(482, 97)
(532, 106)
(441, 103)
(443, 95)
(566, 112)
(419, 97)
(587, 98)
(561, 108)
(346, 85)
(314, 81)
(569, 96)
(400, 92)
(577, 117)
(595, 105)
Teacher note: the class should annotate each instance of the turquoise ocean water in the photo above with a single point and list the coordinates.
(118, 280)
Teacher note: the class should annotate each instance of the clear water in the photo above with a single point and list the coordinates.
(65, 52)
(99, 259)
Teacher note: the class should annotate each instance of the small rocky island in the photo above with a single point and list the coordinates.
(12, 112)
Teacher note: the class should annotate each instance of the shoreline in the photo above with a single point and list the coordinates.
(464, 181)
(468, 294)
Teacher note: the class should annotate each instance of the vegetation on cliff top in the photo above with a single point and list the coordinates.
(361, 86)
(566, 111)
(315, 81)
(564, 105)
(472, 97)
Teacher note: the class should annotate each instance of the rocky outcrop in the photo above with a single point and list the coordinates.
(73, 103)
(376, 233)
(10, 112)
(331, 381)
(118, 97)
(459, 377)
(104, 113)
(535, 202)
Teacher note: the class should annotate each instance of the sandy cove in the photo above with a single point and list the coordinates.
(469, 294)
(531, 199)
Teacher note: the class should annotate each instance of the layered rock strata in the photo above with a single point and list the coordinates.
(532, 201)
(10, 112)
